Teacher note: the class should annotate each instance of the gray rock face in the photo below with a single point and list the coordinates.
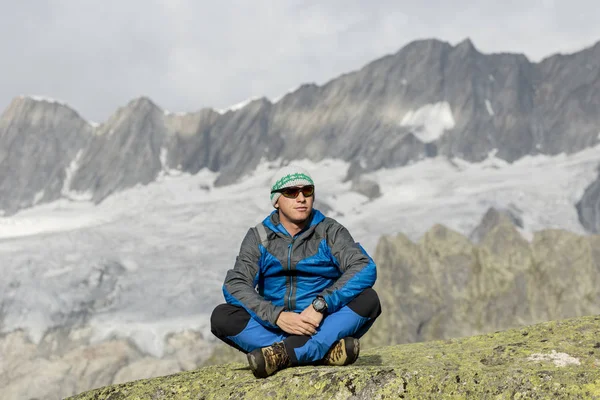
(366, 187)
(588, 207)
(125, 151)
(428, 99)
(444, 286)
(492, 218)
(239, 140)
(38, 140)
(188, 146)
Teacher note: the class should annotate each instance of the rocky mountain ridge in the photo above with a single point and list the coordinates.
(447, 286)
(428, 99)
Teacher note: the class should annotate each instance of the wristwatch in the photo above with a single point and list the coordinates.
(319, 304)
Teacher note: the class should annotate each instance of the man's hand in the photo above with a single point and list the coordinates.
(297, 324)
(312, 314)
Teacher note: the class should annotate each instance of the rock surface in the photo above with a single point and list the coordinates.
(559, 359)
(38, 142)
(588, 207)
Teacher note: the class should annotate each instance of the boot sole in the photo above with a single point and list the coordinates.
(352, 348)
(257, 367)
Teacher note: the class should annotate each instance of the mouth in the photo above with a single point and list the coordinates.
(302, 208)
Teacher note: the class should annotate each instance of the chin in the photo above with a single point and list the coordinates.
(301, 216)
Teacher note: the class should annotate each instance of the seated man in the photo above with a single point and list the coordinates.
(301, 289)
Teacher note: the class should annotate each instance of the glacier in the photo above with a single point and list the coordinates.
(151, 260)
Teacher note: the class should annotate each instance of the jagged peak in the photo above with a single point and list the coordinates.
(38, 101)
(143, 102)
(466, 42)
(137, 107)
(440, 233)
(466, 46)
(425, 42)
(420, 45)
(22, 106)
(41, 99)
(509, 217)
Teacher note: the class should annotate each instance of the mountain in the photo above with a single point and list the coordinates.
(430, 98)
(120, 286)
(38, 141)
(444, 286)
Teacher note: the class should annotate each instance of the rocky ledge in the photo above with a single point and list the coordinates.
(558, 359)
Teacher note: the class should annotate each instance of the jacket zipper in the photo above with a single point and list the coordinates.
(289, 267)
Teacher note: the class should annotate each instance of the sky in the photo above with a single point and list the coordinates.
(190, 54)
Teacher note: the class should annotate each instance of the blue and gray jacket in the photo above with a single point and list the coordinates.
(284, 273)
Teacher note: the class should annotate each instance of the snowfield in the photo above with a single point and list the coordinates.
(151, 260)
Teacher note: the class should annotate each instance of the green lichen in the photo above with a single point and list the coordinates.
(497, 365)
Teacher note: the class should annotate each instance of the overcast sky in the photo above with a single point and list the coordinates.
(97, 55)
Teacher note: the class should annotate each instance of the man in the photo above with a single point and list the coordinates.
(300, 292)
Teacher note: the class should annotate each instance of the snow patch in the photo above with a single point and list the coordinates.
(69, 174)
(404, 82)
(163, 158)
(165, 170)
(488, 105)
(237, 106)
(46, 100)
(429, 122)
(491, 78)
(492, 153)
(177, 114)
(21, 226)
(559, 359)
(38, 196)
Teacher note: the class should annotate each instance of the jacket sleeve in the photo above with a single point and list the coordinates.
(358, 269)
(240, 284)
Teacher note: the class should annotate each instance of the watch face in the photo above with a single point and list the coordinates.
(319, 304)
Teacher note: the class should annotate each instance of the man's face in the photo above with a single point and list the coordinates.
(296, 209)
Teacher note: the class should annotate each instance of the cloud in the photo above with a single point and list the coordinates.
(186, 54)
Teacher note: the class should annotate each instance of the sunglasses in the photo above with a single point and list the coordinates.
(293, 192)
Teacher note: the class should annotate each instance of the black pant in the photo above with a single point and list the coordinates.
(228, 321)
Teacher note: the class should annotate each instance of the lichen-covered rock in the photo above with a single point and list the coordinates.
(559, 359)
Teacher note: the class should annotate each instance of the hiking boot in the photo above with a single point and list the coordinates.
(268, 360)
(343, 352)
